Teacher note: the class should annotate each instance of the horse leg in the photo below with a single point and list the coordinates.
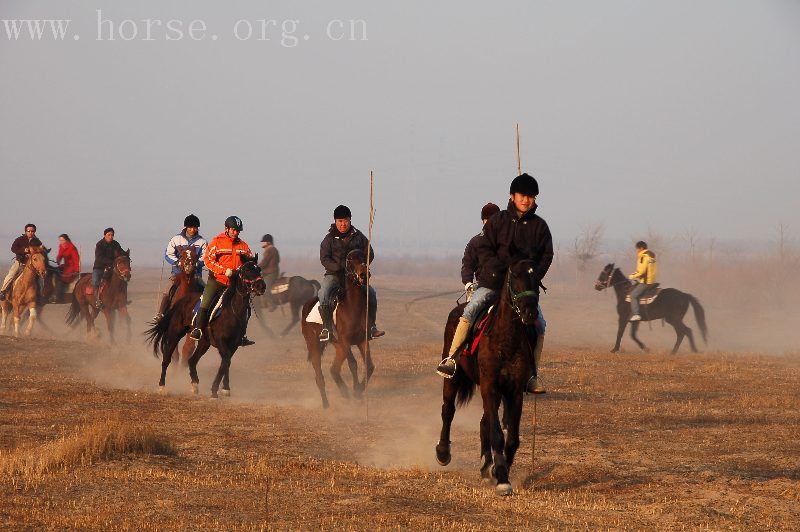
(680, 332)
(224, 364)
(490, 408)
(296, 308)
(3, 318)
(449, 390)
(127, 318)
(200, 349)
(352, 364)
(486, 450)
(634, 328)
(620, 331)
(17, 317)
(31, 319)
(336, 371)
(513, 406)
(366, 356)
(226, 377)
(315, 356)
(110, 321)
(166, 358)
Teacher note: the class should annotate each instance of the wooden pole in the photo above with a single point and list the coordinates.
(519, 164)
(366, 317)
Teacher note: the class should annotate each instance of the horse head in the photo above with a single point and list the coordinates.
(122, 265)
(38, 260)
(355, 267)
(188, 260)
(604, 279)
(249, 273)
(523, 290)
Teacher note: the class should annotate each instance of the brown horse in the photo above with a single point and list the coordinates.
(224, 332)
(294, 291)
(501, 368)
(24, 292)
(186, 282)
(113, 296)
(350, 328)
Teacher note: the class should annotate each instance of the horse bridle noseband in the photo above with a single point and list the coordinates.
(608, 283)
(518, 296)
(116, 268)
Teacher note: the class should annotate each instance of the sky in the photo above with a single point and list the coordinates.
(644, 116)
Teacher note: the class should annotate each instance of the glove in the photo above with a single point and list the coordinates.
(469, 286)
(228, 272)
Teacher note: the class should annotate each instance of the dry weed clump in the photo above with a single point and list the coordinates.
(104, 440)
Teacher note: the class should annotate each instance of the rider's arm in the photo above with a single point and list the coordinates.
(545, 240)
(486, 248)
(326, 255)
(19, 245)
(641, 268)
(170, 254)
(469, 264)
(210, 259)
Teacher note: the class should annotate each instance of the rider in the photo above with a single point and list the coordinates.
(469, 264)
(21, 249)
(189, 236)
(643, 278)
(222, 257)
(270, 269)
(515, 233)
(342, 238)
(69, 265)
(105, 251)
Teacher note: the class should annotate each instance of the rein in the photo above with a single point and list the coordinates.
(516, 297)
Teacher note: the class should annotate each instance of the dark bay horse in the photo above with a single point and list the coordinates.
(224, 332)
(24, 292)
(186, 282)
(350, 321)
(670, 305)
(294, 291)
(501, 368)
(113, 295)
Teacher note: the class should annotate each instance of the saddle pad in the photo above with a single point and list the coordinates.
(315, 317)
(214, 311)
(476, 333)
(644, 300)
(279, 289)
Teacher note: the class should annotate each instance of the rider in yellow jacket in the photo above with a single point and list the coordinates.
(643, 278)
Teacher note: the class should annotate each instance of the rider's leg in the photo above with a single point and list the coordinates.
(166, 299)
(327, 290)
(245, 340)
(481, 298)
(535, 382)
(97, 276)
(12, 273)
(269, 280)
(201, 320)
(636, 293)
(374, 332)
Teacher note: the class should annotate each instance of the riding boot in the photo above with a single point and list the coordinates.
(535, 383)
(245, 340)
(97, 303)
(374, 332)
(200, 322)
(328, 332)
(447, 367)
(162, 308)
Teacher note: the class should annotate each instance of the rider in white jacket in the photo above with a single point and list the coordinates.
(189, 237)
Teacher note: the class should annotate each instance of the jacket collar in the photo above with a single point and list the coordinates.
(512, 210)
(336, 234)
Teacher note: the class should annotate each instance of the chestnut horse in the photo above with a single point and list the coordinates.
(225, 332)
(350, 328)
(186, 282)
(501, 368)
(24, 292)
(113, 296)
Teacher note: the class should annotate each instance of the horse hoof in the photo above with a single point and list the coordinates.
(325, 403)
(443, 459)
(194, 388)
(162, 390)
(615, 350)
(225, 393)
(214, 395)
(504, 489)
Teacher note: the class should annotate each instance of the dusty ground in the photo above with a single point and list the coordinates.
(630, 440)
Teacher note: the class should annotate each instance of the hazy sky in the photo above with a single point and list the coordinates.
(669, 115)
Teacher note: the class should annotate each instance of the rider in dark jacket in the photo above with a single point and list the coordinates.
(105, 251)
(342, 238)
(470, 263)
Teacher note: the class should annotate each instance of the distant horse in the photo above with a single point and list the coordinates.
(113, 296)
(224, 332)
(24, 292)
(186, 282)
(350, 328)
(501, 368)
(670, 305)
(295, 291)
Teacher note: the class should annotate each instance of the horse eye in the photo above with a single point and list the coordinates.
(530, 271)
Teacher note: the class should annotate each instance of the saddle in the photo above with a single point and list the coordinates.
(216, 306)
(315, 317)
(649, 295)
(280, 286)
(483, 322)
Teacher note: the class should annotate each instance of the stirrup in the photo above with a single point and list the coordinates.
(533, 386)
(635, 317)
(98, 304)
(447, 368)
(196, 334)
(374, 332)
(246, 341)
(157, 317)
(324, 335)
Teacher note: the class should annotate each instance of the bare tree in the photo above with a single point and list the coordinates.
(782, 241)
(692, 237)
(587, 244)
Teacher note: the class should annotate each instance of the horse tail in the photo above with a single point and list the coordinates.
(74, 313)
(157, 334)
(700, 316)
(466, 389)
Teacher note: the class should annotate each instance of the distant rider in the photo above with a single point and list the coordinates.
(643, 278)
(105, 251)
(21, 250)
(188, 237)
(270, 269)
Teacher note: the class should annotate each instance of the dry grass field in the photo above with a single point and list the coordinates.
(624, 441)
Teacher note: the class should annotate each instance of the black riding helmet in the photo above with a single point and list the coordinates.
(524, 184)
(342, 211)
(191, 221)
(234, 222)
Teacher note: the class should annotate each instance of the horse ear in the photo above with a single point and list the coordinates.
(255, 259)
(128, 252)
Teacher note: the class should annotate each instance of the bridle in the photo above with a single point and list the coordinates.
(351, 272)
(30, 265)
(124, 276)
(517, 297)
(607, 283)
(188, 263)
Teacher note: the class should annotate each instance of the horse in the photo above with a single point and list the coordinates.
(350, 318)
(24, 292)
(670, 305)
(113, 296)
(295, 291)
(501, 368)
(186, 282)
(224, 332)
